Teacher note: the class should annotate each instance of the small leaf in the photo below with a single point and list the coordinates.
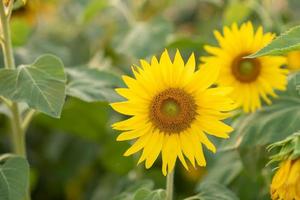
(14, 177)
(286, 42)
(213, 191)
(41, 85)
(92, 85)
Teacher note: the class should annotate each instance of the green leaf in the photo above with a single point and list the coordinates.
(270, 124)
(14, 177)
(286, 42)
(231, 168)
(87, 127)
(236, 11)
(92, 9)
(213, 191)
(92, 85)
(41, 85)
(144, 39)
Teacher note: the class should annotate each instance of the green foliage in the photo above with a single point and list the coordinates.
(138, 41)
(142, 191)
(92, 85)
(86, 117)
(14, 177)
(286, 42)
(270, 124)
(20, 31)
(231, 168)
(289, 148)
(92, 9)
(236, 11)
(213, 191)
(41, 85)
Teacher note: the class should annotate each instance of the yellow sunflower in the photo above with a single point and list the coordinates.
(251, 79)
(286, 182)
(293, 60)
(171, 108)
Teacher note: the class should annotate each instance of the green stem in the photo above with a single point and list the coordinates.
(18, 133)
(170, 185)
(7, 44)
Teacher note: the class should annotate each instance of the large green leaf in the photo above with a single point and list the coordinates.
(92, 85)
(213, 191)
(41, 85)
(286, 42)
(272, 123)
(14, 177)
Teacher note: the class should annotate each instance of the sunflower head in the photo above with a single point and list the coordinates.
(171, 108)
(293, 60)
(252, 79)
(286, 181)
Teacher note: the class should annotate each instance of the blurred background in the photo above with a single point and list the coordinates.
(76, 157)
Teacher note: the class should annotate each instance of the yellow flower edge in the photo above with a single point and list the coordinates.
(293, 60)
(286, 182)
(252, 80)
(171, 109)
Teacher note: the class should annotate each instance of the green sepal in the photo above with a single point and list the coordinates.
(289, 148)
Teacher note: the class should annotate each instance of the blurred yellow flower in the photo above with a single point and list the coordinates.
(286, 182)
(293, 60)
(251, 79)
(33, 9)
(172, 108)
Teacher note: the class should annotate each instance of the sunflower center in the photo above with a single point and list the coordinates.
(172, 110)
(246, 70)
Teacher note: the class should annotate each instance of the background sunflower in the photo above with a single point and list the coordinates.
(251, 79)
(77, 157)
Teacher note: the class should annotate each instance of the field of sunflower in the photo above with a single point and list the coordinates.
(150, 100)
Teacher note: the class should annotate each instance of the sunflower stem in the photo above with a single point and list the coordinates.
(170, 185)
(18, 133)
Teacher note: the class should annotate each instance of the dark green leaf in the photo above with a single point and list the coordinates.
(92, 85)
(41, 85)
(14, 177)
(286, 42)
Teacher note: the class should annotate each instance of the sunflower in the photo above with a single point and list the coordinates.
(251, 79)
(293, 60)
(286, 182)
(171, 108)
